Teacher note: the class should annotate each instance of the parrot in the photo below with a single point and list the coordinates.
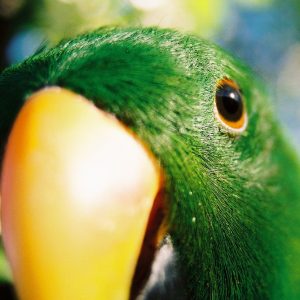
(145, 163)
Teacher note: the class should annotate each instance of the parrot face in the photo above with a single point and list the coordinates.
(222, 181)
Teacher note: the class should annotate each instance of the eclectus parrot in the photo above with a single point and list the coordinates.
(145, 164)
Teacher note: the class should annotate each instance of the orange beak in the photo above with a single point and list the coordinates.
(77, 192)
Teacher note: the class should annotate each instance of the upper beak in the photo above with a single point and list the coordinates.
(77, 191)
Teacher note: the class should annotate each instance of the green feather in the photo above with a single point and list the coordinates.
(5, 275)
(233, 201)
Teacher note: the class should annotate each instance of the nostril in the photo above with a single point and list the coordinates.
(7, 291)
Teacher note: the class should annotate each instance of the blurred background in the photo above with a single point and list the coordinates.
(264, 33)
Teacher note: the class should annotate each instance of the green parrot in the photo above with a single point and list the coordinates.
(145, 164)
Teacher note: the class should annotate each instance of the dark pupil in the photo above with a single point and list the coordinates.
(229, 103)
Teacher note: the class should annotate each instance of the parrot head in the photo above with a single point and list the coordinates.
(145, 164)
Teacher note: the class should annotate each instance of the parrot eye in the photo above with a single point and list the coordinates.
(229, 106)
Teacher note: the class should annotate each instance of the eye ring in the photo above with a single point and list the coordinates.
(229, 107)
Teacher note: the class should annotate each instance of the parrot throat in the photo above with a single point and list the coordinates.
(154, 241)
